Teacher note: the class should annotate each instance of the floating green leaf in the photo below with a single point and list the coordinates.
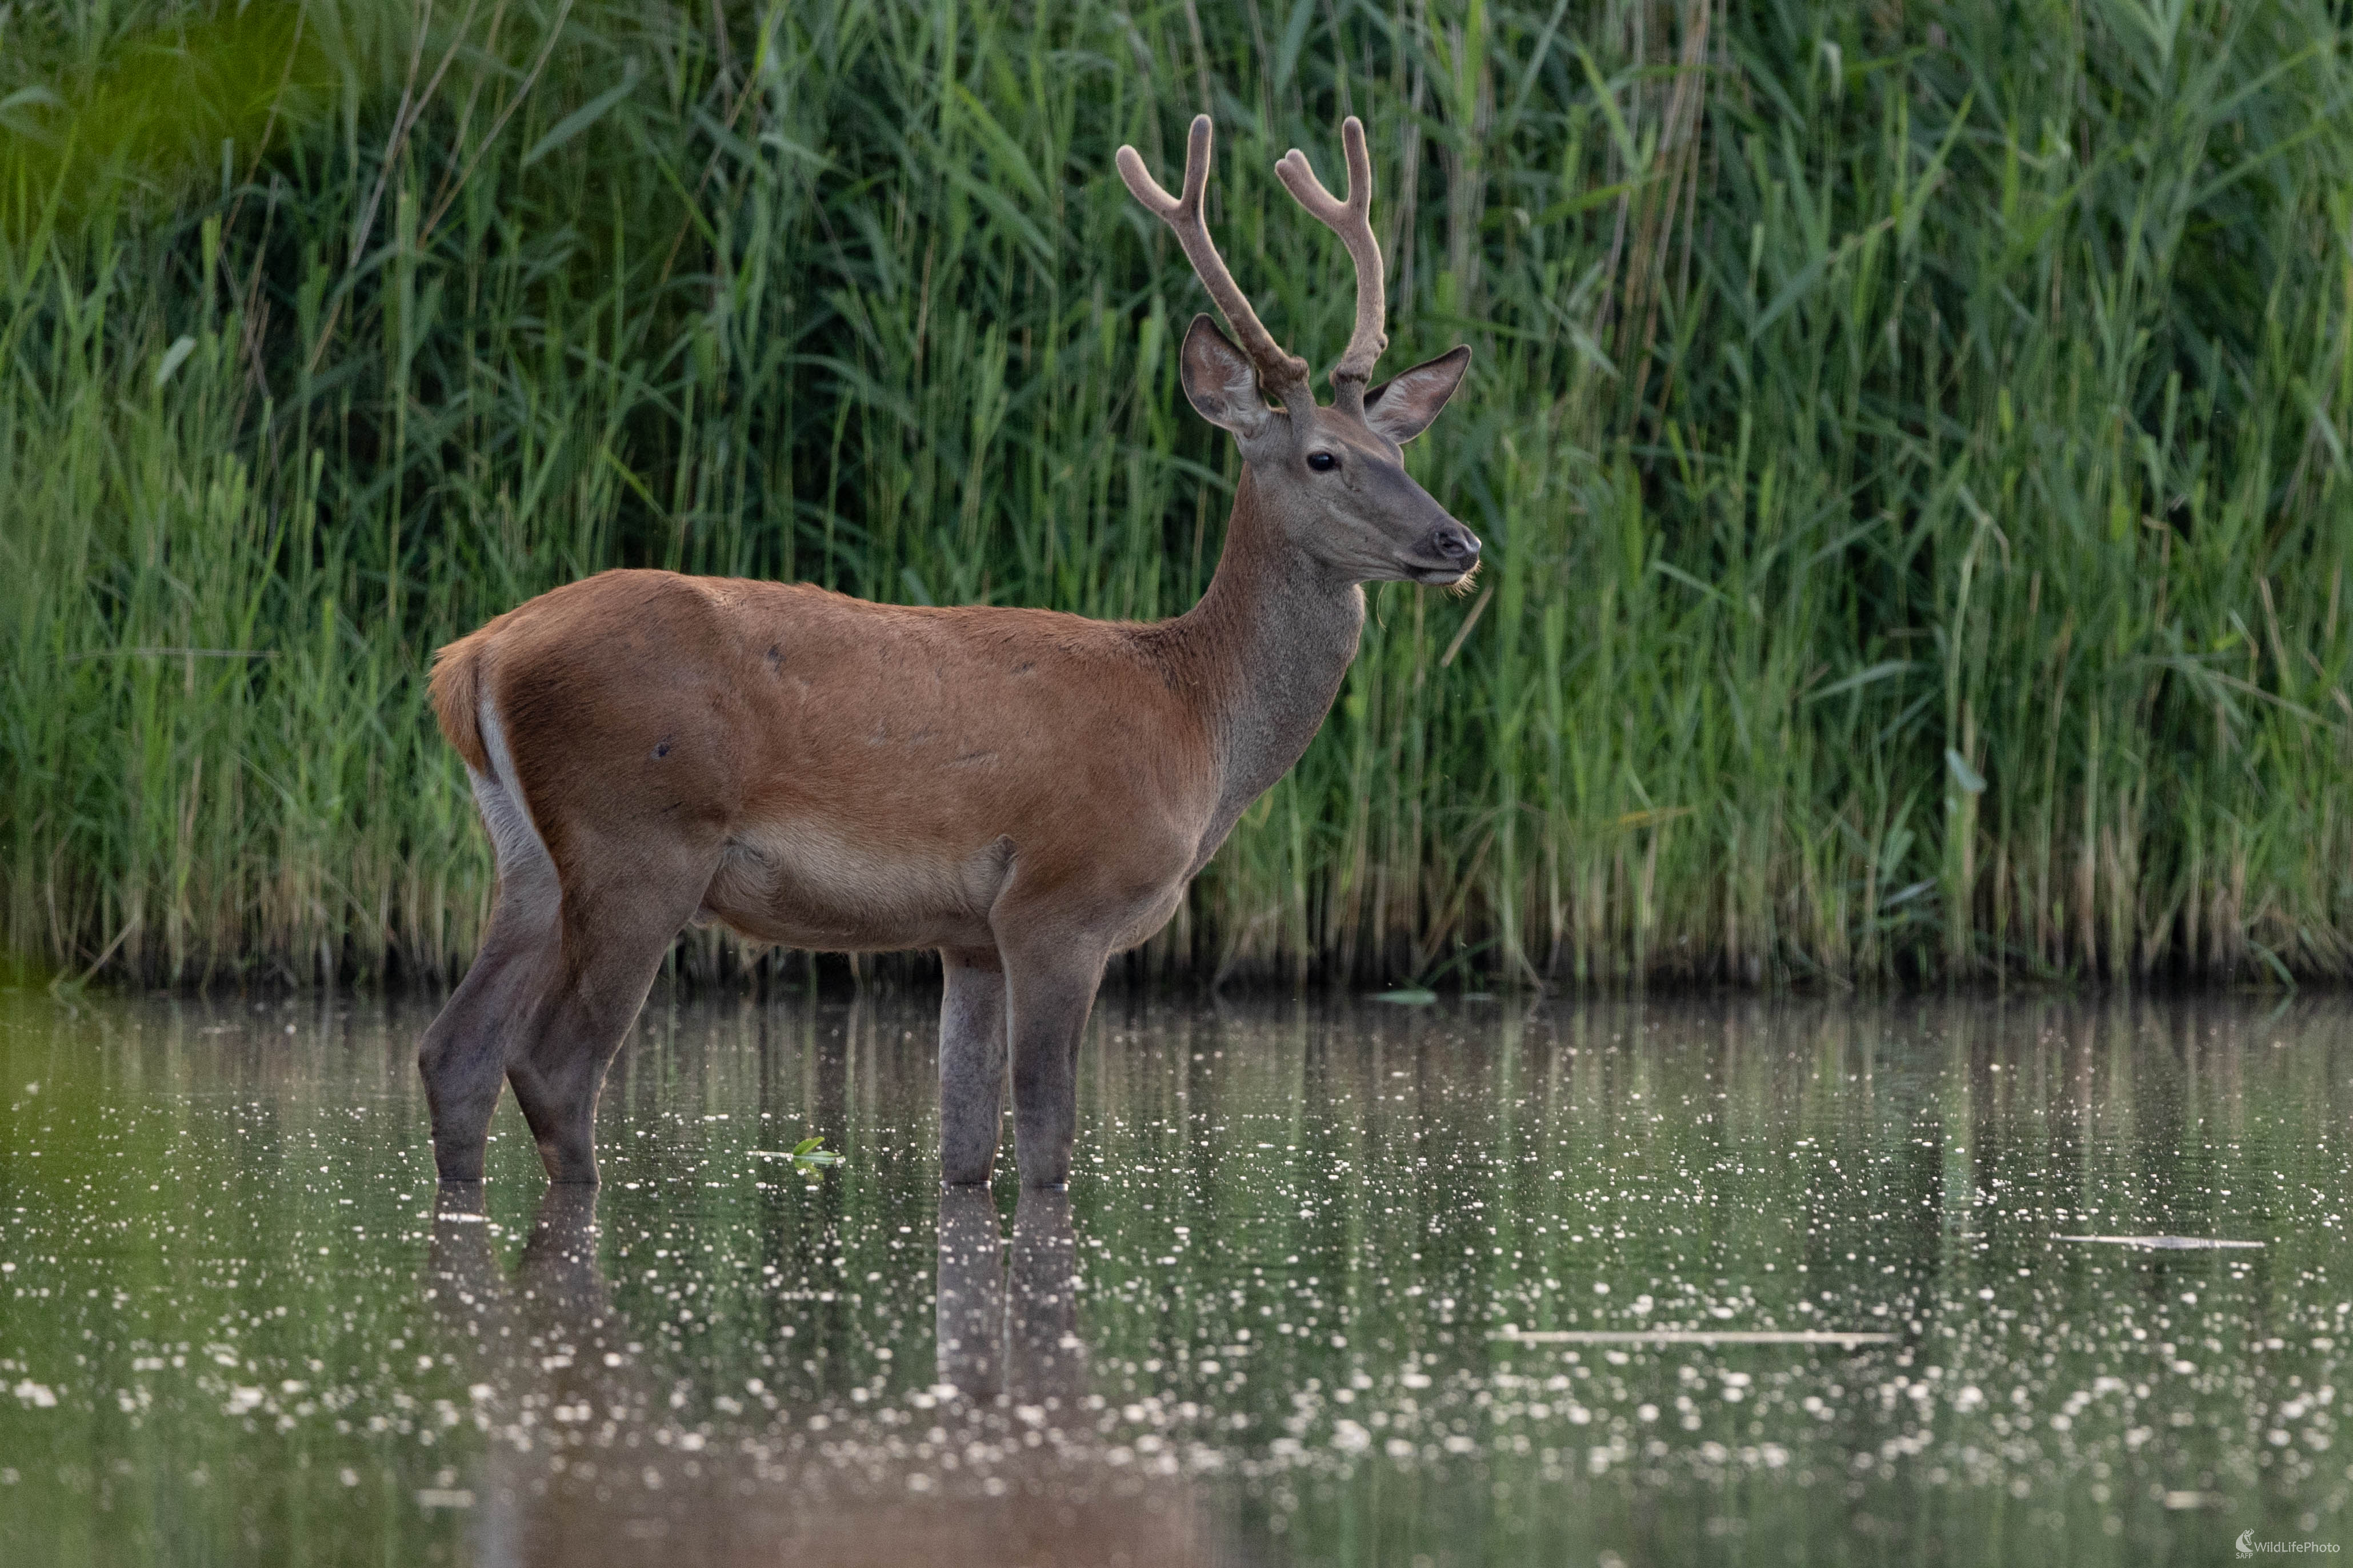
(809, 1156)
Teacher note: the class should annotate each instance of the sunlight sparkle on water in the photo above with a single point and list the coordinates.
(1476, 1281)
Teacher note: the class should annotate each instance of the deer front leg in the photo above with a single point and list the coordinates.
(1049, 989)
(972, 1064)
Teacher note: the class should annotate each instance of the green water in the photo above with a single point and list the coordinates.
(1273, 1321)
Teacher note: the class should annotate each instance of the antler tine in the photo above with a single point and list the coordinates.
(1352, 221)
(1283, 373)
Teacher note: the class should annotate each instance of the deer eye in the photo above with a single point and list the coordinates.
(1322, 462)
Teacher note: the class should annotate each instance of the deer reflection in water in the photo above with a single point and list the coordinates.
(587, 1462)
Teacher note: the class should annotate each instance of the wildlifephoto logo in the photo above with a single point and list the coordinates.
(2249, 1547)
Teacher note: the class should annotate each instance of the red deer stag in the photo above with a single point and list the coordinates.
(1028, 791)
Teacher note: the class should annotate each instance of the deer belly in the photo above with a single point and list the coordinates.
(806, 885)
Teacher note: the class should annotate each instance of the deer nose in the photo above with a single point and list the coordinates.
(1455, 544)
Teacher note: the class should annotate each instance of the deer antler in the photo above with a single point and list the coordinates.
(1352, 221)
(1284, 375)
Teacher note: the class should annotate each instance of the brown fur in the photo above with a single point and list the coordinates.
(456, 689)
(1027, 791)
(792, 724)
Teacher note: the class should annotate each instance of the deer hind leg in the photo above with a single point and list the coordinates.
(463, 1054)
(972, 1064)
(620, 912)
(1050, 987)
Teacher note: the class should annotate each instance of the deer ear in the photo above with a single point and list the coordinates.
(1219, 382)
(1403, 407)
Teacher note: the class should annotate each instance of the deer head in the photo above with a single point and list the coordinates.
(1331, 478)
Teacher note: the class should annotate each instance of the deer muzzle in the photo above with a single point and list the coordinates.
(1447, 554)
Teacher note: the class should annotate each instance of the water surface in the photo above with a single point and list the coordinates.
(1343, 1285)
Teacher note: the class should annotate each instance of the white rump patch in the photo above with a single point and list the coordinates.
(526, 872)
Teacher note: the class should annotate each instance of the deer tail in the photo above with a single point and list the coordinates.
(456, 692)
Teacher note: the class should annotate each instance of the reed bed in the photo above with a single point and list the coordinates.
(1912, 444)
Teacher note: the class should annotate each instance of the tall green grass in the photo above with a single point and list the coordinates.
(1912, 448)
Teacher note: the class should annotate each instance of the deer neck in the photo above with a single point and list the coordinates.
(1267, 646)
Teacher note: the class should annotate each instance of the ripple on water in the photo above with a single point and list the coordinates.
(1462, 1282)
